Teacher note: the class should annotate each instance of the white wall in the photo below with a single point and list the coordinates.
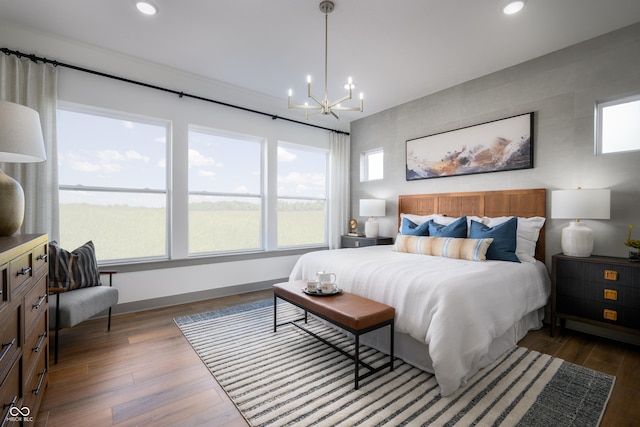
(561, 89)
(82, 88)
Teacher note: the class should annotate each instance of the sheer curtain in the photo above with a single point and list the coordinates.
(340, 192)
(35, 85)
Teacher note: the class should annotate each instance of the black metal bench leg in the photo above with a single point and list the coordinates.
(357, 360)
(391, 355)
(275, 312)
(55, 359)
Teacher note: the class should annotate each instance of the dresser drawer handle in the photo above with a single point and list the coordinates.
(42, 374)
(42, 257)
(40, 301)
(8, 405)
(24, 271)
(610, 314)
(610, 275)
(5, 348)
(40, 341)
(611, 294)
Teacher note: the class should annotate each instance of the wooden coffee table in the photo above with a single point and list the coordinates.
(350, 312)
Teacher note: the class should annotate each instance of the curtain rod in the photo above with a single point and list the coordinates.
(180, 94)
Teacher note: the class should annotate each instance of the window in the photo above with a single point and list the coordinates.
(113, 182)
(225, 192)
(302, 195)
(618, 125)
(371, 165)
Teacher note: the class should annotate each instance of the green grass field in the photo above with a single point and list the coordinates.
(121, 232)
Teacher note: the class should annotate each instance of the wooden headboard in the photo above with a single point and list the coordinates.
(523, 203)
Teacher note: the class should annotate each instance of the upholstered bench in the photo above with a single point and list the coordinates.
(350, 312)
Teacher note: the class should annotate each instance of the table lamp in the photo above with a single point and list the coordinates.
(372, 208)
(577, 239)
(21, 141)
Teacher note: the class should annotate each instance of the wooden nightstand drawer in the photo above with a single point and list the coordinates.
(603, 291)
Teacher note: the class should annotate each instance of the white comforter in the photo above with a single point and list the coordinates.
(456, 307)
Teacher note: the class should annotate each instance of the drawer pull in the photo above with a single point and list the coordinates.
(8, 405)
(40, 301)
(40, 341)
(610, 275)
(611, 294)
(24, 271)
(610, 314)
(5, 348)
(42, 374)
(42, 257)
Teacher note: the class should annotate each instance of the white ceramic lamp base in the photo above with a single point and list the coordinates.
(577, 240)
(371, 228)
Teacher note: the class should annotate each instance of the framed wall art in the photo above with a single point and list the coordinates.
(500, 145)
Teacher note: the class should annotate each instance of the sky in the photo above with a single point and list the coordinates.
(112, 152)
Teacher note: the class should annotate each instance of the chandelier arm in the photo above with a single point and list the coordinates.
(345, 98)
(341, 108)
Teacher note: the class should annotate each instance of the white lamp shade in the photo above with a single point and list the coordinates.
(20, 134)
(581, 204)
(372, 207)
(577, 239)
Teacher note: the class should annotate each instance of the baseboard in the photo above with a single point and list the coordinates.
(150, 304)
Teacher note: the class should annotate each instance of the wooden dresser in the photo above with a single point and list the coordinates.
(599, 290)
(24, 321)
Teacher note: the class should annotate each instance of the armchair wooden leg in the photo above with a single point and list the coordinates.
(109, 323)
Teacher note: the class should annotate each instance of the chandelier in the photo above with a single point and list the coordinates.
(325, 106)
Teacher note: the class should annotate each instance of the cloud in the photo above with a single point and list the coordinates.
(285, 156)
(206, 174)
(197, 159)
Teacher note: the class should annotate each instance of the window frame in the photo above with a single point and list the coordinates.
(365, 164)
(260, 196)
(598, 122)
(326, 153)
(138, 118)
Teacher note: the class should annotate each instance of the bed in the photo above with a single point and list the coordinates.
(454, 315)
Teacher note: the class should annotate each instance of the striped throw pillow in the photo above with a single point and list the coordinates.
(73, 270)
(447, 247)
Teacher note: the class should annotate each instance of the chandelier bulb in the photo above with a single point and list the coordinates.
(290, 92)
(309, 78)
(361, 96)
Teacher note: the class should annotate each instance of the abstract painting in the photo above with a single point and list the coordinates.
(500, 145)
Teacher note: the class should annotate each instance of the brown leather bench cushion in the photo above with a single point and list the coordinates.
(352, 311)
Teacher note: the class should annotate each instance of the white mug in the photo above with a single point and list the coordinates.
(312, 285)
(327, 287)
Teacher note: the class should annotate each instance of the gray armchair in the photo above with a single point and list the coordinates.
(74, 279)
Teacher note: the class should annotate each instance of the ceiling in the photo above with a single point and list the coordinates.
(395, 51)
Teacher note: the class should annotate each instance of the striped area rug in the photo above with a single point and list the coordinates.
(289, 378)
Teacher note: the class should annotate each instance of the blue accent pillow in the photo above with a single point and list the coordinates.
(503, 247)
(410, 228)
(458, 228)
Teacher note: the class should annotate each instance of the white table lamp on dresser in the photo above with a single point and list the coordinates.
(20, 142)
(372, 208)
(577, 238)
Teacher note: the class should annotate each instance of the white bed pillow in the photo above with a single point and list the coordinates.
(527, 235)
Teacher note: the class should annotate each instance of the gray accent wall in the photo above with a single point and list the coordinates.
(561, 88)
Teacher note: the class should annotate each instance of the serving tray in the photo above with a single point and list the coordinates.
(322, 294)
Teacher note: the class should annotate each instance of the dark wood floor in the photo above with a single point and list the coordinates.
(144, 373)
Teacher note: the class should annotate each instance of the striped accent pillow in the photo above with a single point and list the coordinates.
(73, 270)
(447, 247)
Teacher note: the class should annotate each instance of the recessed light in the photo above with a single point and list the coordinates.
(146, 7)
(512, 7)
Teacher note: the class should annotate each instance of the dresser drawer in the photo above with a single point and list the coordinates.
(40, 259)
(10, 391)
(36, 383)
(20, 270)
(35, 303)
(35, 344)
(9, 338)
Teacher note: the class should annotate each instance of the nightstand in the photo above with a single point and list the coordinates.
(599, 290)
(360, 242)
